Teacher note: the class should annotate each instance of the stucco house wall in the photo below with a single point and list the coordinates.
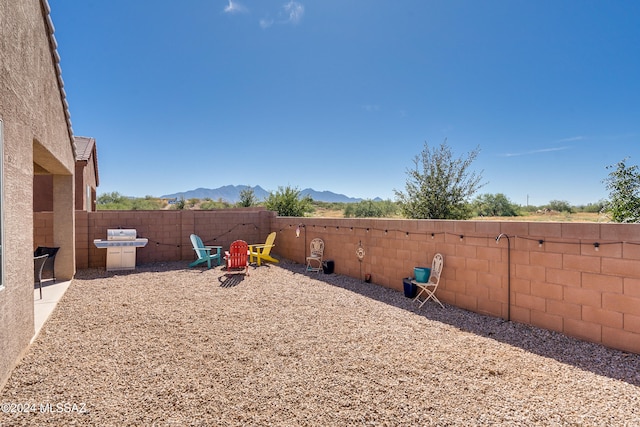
(86, 173)
(36, 139)
(86, 179)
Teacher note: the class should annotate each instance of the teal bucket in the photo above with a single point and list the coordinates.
(422, 274)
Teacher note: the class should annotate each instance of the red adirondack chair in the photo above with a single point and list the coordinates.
(237, 257)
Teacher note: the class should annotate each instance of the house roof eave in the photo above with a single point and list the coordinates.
(53, 46)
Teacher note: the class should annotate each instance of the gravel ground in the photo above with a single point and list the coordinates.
(171, 346)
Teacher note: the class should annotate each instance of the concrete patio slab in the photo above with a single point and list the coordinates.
(42, 308)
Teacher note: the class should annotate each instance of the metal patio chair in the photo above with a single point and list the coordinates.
(38, 266)
(429, 287)
(50, 264)
(314, 261)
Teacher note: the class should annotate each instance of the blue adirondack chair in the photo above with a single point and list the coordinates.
(205, 253)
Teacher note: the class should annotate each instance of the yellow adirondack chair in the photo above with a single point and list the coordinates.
(260, 252)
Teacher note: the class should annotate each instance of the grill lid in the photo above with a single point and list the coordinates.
(122, 234)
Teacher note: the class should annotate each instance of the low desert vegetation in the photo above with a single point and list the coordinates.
(487, 207)
(438, 186)
(116, 201)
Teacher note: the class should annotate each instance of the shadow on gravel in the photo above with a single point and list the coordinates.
(230, 280)
(588, 356)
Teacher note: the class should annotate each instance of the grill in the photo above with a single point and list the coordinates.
(121, 245)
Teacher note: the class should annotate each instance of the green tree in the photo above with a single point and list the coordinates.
(208, 204)
(116, 201)
(439, 186)
(247, 198)
(623, 184)
(494, 205)
(148, 203)
(598, 207)
(349, 210)
(113, 201)
(180, 204)
(560, 206)
(287, 202)
(370, 209)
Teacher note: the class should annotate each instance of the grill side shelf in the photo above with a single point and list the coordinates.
(102, 244)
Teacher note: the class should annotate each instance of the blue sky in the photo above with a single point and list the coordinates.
(342, 95)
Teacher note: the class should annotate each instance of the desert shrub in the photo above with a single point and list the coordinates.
(208, 204)
(148, 203)
(247, 198)
(333, 206)
(371, 209)
(439, 186)
(559, 206)
(623, 184)
(494, 205)
(116, 201)
(597, 207)
(287, 202)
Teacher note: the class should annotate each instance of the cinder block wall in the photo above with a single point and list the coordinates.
(168, 231)
(581, 279)
(551, 275)
(43, 229)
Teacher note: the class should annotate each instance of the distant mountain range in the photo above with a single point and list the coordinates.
(231, 194)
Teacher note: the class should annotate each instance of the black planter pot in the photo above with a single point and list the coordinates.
(410, 289)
